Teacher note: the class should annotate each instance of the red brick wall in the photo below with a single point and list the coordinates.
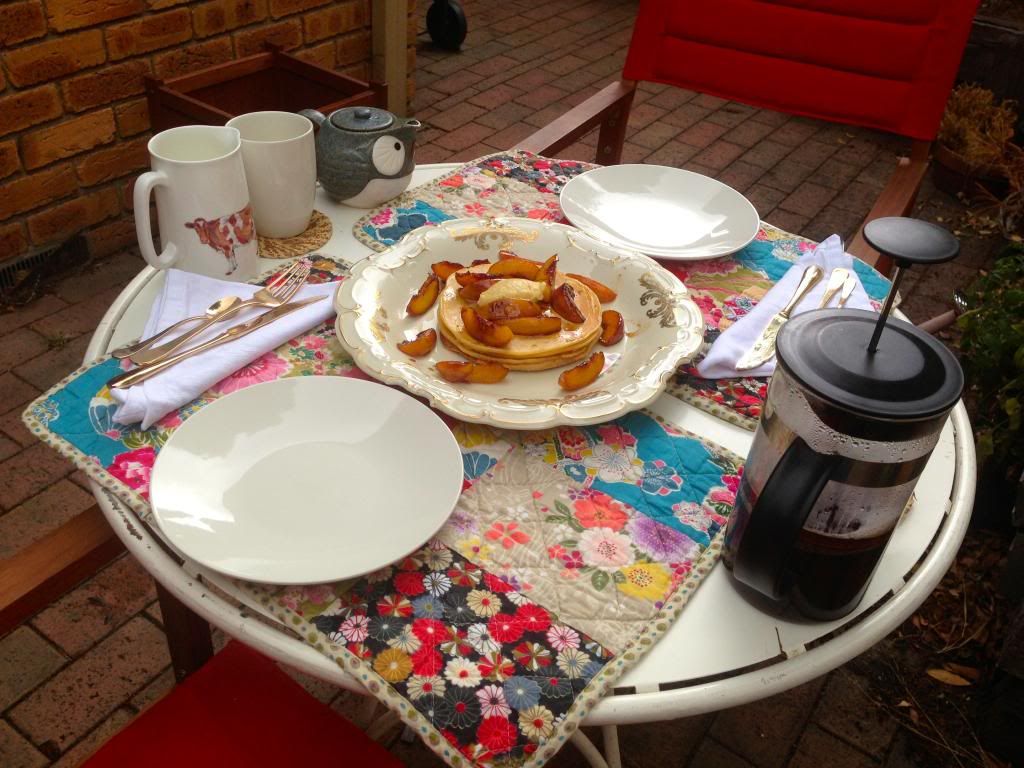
(73, 118)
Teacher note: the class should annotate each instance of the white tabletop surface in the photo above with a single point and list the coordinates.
(726, 649)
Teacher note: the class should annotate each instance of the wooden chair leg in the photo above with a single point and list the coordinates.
(188, 635)
(37, 575)
(612, 134)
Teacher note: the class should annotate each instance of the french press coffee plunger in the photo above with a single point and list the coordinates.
(853, 412)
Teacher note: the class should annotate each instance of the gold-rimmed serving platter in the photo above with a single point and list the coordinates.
(664, 328)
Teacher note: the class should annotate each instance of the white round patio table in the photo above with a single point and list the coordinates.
(725, 649)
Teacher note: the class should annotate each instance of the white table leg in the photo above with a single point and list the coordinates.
(610, 736)
(382, 724)
(367, 709)
(590, 753)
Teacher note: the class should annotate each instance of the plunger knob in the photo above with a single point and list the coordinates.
(907, 241)
(911, 241)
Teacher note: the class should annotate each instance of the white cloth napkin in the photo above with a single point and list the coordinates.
(720, 362)
(186, 294)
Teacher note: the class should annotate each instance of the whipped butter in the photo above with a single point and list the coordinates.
(513, 288)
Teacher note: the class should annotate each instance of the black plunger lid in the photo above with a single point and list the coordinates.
(910, 376)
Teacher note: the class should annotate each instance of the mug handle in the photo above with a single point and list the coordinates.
(780, 512)
(143, 229)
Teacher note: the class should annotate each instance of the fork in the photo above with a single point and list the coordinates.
(278, 291)
(848, 286)
(836, 281)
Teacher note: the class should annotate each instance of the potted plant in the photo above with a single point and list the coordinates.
(1010, 210)
(992, 352)
(972, 140)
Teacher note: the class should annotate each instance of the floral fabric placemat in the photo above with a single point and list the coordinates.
(513, 183)
(520, 183)
(76, 416)
(570, 552)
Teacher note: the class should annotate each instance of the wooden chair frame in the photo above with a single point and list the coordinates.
(608, 110)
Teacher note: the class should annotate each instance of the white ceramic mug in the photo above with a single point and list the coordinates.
(202, 204)
(280, 164)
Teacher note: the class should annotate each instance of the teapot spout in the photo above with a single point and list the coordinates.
(312, 114)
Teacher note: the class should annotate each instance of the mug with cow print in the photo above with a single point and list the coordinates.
(202, 203)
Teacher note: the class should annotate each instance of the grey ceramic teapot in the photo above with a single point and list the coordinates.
(364, 155)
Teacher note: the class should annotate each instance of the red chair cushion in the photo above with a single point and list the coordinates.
(240, 709)
(875, 63)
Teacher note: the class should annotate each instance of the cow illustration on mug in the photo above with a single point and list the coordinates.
(197, 170)
(225, 233)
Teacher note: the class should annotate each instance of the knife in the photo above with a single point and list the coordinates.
(144, 372)
(764, 347)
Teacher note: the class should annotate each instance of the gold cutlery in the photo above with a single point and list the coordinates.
(279, 291)
(848, 286)
(215, 309)
(836, 282)
(144, 372)
(764, 347)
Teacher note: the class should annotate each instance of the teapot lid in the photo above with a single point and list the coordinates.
(362, 119)
(911, 375)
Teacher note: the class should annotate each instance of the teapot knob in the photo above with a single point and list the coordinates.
(363, 113)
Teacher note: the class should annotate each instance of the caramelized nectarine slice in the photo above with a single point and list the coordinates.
(444, 269)
(425, 297)
(487, 373)
(505, 255)
(563, 301)
(422, 345)
(548, 270)
(472, 291)
(513, 268)
(485, 331)
(473, 373)
(603, 292)
(477, 262)
(454, 371)
(533, 326)
(612, 327)
(507, 309)
(583, 374)
(468, 278)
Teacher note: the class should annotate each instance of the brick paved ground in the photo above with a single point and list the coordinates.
(85, 666)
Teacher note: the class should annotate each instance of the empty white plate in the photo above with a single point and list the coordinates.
(665, 212)
(306, 480)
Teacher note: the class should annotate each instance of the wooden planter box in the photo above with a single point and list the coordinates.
(267, 81)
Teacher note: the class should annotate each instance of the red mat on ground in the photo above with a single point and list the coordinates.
(240, 709)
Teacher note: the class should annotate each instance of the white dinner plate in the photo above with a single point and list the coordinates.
(306, 480)
(665, 212)
(664, 327)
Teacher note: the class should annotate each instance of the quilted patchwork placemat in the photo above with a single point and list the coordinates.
(570, 552)
(519, 183)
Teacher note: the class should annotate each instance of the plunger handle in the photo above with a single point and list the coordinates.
(907, 241)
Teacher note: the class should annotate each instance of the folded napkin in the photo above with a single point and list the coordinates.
(185, 295)
(720, 362)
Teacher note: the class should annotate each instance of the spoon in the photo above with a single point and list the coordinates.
(217, 308)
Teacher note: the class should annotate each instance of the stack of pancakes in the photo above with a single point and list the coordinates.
(523, 353)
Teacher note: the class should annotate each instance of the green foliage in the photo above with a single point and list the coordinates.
(992, 348)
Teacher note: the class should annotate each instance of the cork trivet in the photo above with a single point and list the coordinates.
(317, 233)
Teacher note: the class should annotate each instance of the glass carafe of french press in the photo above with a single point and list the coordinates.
(853, 412)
